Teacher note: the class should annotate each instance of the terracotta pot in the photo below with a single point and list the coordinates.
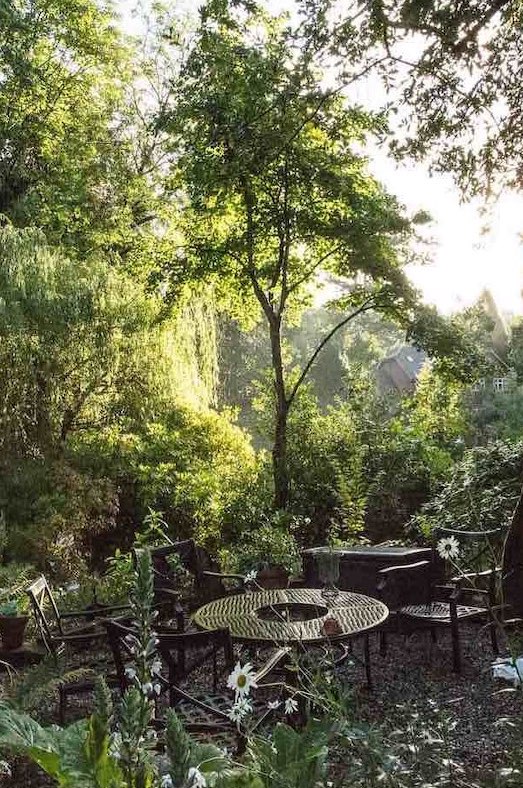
(331, 626)
(12, 630)
(273, 577)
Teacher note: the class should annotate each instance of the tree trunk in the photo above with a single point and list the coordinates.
(279, 458)
(279, 449)
(512, 573)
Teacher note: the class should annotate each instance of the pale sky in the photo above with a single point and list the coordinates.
(463, 260)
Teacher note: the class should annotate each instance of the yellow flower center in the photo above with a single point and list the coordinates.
(242, 680)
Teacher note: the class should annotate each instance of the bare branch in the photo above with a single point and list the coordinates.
(370, 303)
(313, 268)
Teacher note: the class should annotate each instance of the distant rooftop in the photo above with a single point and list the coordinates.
(400, 370)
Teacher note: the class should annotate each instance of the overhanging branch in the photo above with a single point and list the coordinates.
(370, 303)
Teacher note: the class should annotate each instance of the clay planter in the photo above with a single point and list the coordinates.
(331, 626)
(273, 577)
(12, 630)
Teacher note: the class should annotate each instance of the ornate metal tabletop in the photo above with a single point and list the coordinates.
(290, 615)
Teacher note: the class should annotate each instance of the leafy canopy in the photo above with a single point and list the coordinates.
(271, 163)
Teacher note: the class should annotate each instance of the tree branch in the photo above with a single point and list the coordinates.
(286, 239)
(370, 303)
(294, 286)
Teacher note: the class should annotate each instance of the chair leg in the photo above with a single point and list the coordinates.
(494, 636)
(214, 671)
(382, 639)
(62, 700)
(456, 646)
(366, 658)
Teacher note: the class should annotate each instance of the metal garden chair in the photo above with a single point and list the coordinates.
(417, 602)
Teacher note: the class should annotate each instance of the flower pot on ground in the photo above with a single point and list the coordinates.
(12, 626)
(273, 577)
(268, 554)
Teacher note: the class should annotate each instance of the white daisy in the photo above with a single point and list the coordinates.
(196, 778)
(241, 679)
(251, 576)
(291, 706)
(448, 547)
(273, 705)
(241, 708)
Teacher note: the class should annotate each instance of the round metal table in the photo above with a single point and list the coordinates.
(290, 616)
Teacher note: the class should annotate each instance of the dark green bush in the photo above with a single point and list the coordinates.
(480, 493)
(193, 466)
(54, 515)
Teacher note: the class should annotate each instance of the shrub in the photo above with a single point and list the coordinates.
(325, 465)
(193, 466)
(271, 544)
(54, 513)
(480, 493)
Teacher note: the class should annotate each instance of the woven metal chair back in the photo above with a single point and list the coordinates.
(185, 652)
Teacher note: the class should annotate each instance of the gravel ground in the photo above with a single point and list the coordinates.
(413, 672)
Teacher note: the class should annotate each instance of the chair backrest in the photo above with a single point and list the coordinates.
(195, 559)
(173, 647)
(479, 551)
(405, 584)
(162, 572)
(49, 623)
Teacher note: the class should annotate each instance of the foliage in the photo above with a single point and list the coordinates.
(66, 163)
(291, 759)
(34, 690)
(454, 97)
(54, 514)
(271, 543)
(481, 492)
(76, 344)
(194, 466)
(9, 608)
(14, 579)
(496, 415)
(328, 485)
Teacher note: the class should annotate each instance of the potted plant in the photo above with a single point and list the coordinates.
(270, 551)
(12, 624)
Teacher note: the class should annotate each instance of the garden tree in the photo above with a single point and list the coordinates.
(67, 164)
(453, 70)
(277, 189)
(81, 346)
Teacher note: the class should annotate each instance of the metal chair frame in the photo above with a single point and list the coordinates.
(444, 604)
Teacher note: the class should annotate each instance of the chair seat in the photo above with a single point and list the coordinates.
(440, 611)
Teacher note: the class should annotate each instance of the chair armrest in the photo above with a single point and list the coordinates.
(392, 572)
(80, 637)
(224, 576)
(102, 610)
(403, 569)
(280, 656)
(475, 575)
(467, 534)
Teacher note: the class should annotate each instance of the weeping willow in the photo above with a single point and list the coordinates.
(191, 345)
